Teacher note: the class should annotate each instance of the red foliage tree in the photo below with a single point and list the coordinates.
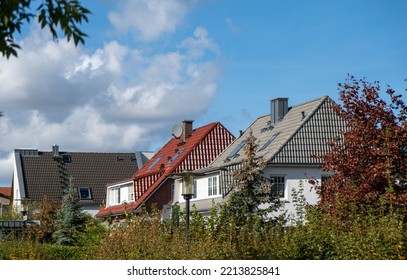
(370, 162)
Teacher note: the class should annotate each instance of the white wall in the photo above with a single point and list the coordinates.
(293, 176)
(202, 189)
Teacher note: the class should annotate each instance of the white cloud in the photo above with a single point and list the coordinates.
(231, 26)
(113, 98)
(150, 19)
(6, 169)
(200, 43)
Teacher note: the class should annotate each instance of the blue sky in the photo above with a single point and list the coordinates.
(150, 64)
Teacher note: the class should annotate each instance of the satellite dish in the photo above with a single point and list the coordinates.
(177, 130)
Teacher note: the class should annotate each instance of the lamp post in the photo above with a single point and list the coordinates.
(187, 193)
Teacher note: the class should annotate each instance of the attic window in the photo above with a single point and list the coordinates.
(155, 162)
(85, 193)
(269, 141)
(175, 156)
(66, 158)
(237, 149)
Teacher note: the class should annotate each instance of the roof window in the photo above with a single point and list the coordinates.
(85, 193)
(237, 149)
(155, 162)
(66, 159)
(175, 156)
(269, 141)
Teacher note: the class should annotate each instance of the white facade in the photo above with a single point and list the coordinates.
(206, 191)
(120, 193)
(292, 177)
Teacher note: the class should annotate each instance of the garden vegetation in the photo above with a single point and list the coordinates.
(361, 215)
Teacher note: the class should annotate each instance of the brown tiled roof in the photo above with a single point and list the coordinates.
(47, 175)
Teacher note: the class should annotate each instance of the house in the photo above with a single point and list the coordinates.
(153, 184)
(289, 139)
(48, 173)
(5, 194)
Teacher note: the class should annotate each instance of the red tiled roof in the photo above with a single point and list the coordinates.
(172, 158)
(5, 191)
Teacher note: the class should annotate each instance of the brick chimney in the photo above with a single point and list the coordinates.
(187, 129)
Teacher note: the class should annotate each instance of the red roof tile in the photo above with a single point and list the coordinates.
(5, 191)
(174, 157)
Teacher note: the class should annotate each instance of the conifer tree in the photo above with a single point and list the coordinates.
(69, 219)
(252, 198)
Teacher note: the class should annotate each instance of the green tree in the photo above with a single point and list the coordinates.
(66, 15)
(252, 198)
(70, 221)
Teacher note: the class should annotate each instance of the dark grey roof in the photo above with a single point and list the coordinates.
(303, 132)
(47, 175)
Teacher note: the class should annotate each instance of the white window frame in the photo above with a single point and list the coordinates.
(130, 195)
(195, 195)
(114, 196)
(213, 186)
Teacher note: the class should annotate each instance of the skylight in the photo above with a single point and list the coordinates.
(155, 162)
(269, 141)
(85, 193)
(175, 156)
(237, 149)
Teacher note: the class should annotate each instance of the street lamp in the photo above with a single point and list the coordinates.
(187, 193)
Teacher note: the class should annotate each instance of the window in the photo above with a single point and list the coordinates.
(155, 162)
(212, 186)
(131, 193)
(66, 159)
(237, 149)
(114, 197)
(175, 156)
(195, 189)
(269, 141)
(85, 193)
(172, 191)
(278, 186)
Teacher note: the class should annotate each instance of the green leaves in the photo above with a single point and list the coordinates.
(64, 16)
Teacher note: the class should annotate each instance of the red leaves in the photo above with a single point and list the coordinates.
(372, 156)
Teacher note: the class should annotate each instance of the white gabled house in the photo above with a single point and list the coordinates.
(290, 139)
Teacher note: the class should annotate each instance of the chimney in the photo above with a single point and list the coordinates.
(55, 150)
(279, 108)
(187, 129)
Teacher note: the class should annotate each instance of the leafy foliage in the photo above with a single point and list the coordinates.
(65, 14)
(45, 213)
(371, 161)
